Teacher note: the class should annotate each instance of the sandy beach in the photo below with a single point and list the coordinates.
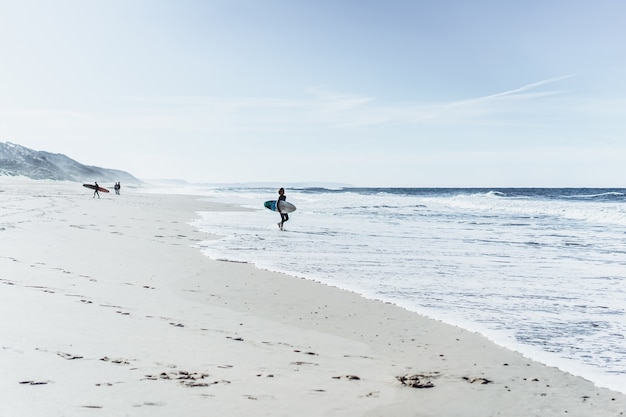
(109, 309)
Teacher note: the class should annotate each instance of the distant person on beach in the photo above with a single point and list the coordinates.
(95, 191)
(117, 188)
(283, 216)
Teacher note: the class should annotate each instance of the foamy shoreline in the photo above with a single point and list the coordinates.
(109, 309)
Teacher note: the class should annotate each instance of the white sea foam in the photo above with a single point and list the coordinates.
(542, 274)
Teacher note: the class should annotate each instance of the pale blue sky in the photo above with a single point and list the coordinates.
(372, 93)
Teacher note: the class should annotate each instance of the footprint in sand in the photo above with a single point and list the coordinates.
(150, 404)
(118, 361)
(187, 379)
(348, 377)
(306, 353)
(479, 380)
(34, 382)
(69, 356)
(300, 363)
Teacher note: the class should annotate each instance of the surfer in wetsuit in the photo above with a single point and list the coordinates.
(283, 216)
(95, 191)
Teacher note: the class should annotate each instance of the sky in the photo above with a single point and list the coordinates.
(395, 93)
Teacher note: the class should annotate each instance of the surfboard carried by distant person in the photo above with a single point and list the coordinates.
(283, 206)
(93, 187)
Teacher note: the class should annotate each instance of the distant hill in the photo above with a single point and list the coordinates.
(18, 160)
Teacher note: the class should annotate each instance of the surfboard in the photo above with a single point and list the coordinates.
(284, 206)
(93, 187)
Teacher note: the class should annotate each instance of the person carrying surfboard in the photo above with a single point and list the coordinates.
(283, 216)
(95, 190)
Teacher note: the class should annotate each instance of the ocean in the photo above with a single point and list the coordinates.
(539, 271)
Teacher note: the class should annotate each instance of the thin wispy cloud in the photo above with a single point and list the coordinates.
(515, 101)
(516, 91)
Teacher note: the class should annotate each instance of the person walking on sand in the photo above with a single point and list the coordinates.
(95, 190)
(283, 216)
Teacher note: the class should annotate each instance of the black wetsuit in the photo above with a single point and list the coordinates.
(283, 216)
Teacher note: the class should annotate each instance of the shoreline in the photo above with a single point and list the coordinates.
(112, 309)
(549, 345)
